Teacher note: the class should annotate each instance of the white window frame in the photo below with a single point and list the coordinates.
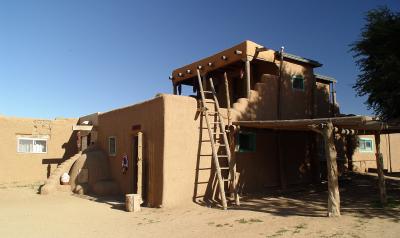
(366, 139)
(33, 139)
(109, 145)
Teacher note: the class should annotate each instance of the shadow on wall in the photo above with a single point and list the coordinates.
(70, 149)
(295, 103)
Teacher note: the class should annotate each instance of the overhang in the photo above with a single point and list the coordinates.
(246, 50)
(361, 124)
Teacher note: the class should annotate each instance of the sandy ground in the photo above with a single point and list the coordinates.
(23, 213)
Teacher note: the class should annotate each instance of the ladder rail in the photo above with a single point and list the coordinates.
(214, 152)
(231, 163)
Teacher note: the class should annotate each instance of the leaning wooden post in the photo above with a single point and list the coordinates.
(247, 68)
(333, 186)
(140, 164)
(228, 100)
(379, 167)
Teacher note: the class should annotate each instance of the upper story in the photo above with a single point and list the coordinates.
(263, 84)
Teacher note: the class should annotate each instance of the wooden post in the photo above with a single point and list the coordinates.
(247, 68)
(379, 167)
(175, 89)
(228, 101)
(332, 172)
(139, 163)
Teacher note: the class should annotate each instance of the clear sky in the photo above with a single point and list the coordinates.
(72, 58)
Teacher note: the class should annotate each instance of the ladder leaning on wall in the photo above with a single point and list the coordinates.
(225, 154)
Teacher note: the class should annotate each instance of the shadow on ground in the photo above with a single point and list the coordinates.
(359, 197)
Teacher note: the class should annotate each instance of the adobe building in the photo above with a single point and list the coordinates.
(31, 149)
(256, 120)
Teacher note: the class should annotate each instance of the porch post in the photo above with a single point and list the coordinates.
(333, 187)
(379, 167)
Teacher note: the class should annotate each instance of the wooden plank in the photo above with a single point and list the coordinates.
(139, 163)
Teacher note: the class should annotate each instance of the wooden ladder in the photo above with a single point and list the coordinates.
(225, 153)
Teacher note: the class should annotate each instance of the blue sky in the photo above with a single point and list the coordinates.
(72, 58)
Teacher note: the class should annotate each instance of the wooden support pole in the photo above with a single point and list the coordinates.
(379, 167)
(333, 186)
(139, 164)
(228, 100)
(247, 68)
(175, 89)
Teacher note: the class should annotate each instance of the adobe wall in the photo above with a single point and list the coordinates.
(124, 124)
(362, 161)
(29, 167)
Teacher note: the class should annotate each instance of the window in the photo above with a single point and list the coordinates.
(298, 82)
(112, 146)
(246, 142)
(365, 145)
(31, 145)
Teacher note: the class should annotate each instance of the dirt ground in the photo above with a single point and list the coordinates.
(298, 213)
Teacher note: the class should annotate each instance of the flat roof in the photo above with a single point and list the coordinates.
(325, 78)
(246, 50)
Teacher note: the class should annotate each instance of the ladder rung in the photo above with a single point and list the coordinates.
(201, 182)
(219, 144)
(222, 156)
(213, 113)
(209, 101)
(203, 168)
(217, 133)
(224, 167)
(208, 91)
(225, 180)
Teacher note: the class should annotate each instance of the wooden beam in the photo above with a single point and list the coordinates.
(379, 167)
(332, 172)
(247, 68)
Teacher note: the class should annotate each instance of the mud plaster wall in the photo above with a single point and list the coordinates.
(362, 161)
(260, 169)
(149, 116)
(27, 167)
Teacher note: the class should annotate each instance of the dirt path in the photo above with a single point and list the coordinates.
(23, 213)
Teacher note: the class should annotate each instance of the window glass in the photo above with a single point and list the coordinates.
(32, 145)
(246, 142)
(365, 145)
(298, 82)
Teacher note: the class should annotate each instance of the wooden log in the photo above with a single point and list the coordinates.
(247, 68)
(379, 167)
(139, 163)
(333, 186)
(228, 101)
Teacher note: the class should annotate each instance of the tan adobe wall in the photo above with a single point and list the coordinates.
(322, 106)
(28, 167)
(362, 161)
(149, 116)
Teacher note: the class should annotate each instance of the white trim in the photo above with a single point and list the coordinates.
(109, 145)
(33, 139)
